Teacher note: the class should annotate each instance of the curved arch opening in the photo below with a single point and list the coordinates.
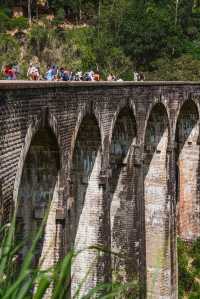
(157, 208)
(37, 196)
(123, 208)
(86, 214)
(188, 172)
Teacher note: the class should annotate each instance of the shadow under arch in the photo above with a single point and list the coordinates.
(149, 112)
(123, 206)
(38, 195)
(45, 117)
(87, 212)
(187, 171)
(86, 111)
(157, 206)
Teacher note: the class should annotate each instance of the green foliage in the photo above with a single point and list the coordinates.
(149, 33)
(189, 269)
(9, 50)
(177, 69)
(60, 16)
(78, 49)
(4, 21)
(193, 48)
(9, 23)
(6, 10)
(23, 281)
(66, 48)
(20, 23)
(37, 39)
(19, 282)
(56, 4)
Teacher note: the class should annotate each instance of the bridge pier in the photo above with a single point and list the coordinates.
(157, 205)
(123, 209)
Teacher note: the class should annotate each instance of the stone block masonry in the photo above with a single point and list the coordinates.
(113, 164)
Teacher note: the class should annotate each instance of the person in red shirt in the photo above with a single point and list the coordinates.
(7, 72)
(10, 73)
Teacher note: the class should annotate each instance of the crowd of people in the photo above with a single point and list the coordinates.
(55, 73)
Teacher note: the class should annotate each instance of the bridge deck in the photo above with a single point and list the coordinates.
(18, 84)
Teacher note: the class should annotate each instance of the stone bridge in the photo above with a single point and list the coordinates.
(113, 164)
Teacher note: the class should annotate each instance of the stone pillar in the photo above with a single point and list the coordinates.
(188, 165)
(88, 233)
(123, 209)
(139, 173)
(88, 217)
(173, 221)
(157, 205)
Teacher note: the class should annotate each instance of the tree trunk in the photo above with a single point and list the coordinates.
(99, 19)
(29, 11)
(36, 10)
(80, 11)
(196, 3)
(176, 12)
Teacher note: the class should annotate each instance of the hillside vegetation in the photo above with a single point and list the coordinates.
(158, 37)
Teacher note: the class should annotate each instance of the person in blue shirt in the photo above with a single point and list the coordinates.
(50, 74)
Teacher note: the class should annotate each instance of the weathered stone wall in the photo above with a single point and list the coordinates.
(118, 165)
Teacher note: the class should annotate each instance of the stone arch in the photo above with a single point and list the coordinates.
(85, 111)
(187, 171)
(38, 193)
(156, 202)
(151, 107)
(123, 209)
(194, 101)
(86, 213)
(44, 116)
(130, 106)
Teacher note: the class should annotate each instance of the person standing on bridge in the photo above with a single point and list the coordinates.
(50, 74)
(111, 77)
(136, 76)
(96, 76)
(33, 73)
(9, 72)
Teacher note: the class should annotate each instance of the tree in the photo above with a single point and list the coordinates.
(29, 11)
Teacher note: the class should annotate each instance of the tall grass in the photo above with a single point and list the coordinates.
(24, 281)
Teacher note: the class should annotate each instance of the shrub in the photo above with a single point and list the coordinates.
(60, 17)
(182, 68)
(9, 50)
(5, 21)
(37, 40)
(19, 23)
(189, 269)
(9, 23)
(6, 10)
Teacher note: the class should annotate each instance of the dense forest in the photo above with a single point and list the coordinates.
(158, 37)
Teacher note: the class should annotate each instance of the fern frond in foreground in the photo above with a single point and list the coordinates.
(23, 281)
